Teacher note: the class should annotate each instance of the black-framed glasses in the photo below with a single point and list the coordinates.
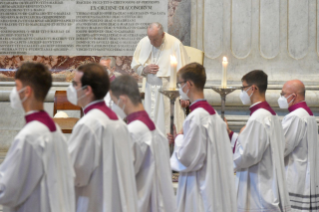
(179, 84)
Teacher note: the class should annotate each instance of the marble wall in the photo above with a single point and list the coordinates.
(279, 37)
(63, 67)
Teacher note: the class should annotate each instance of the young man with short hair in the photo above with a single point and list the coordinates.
(36, 174)
(202, 151)
(100, 147)
(259, 152)
(150, 149)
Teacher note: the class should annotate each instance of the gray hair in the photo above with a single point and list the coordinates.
(112, 64)
(126, 85)
(158, 26)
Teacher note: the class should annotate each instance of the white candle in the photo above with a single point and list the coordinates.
(172, 80)
(224, 80)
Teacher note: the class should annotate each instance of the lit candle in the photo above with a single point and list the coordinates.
(224, 80)
(172, 80)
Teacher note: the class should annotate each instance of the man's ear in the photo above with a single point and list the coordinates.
(28, 91)
(88, 90)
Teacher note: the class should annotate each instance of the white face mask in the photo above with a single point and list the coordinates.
(15, 101)
(72, 95)
(245, 98)
(182, 94)
(118, 110)
(283, 102)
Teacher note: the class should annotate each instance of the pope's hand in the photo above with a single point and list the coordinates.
(151, 69)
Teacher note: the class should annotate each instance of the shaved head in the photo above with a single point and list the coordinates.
(294, 91)
(295, 86)
(156, 34)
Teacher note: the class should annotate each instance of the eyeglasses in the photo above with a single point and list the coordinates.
(179, 84)
(243, 87)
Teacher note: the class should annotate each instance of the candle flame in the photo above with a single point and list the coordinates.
(225, 59)
(173, 59)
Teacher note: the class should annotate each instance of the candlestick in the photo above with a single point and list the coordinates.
(224, 80)
(172, 80)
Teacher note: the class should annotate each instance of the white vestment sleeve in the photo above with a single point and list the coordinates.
(83, 153)
(190, 149)
(136, 65)
(20, 173)
(251, 145)
(294, 130)
(139, 149)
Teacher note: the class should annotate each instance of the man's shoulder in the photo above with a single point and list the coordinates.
(137, 127)
(300, 113)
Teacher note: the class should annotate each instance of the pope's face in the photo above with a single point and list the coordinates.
(155, 39)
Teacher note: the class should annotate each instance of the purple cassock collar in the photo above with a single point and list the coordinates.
(143, 117)
(301, 105)
(102, 107)
(263, 105)
(42, 117)
(203, 104)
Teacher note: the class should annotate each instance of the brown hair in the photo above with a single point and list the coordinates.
(37, 76)
(96, 77)
(194, 72)
(258, 78)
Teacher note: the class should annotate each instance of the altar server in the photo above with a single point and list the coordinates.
(301, 148)
(36, 174)
(259, 152)
(100, 148)
(152, 60)
(150, 149)
(202, 152)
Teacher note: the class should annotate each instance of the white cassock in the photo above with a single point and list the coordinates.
(152, 168)
(36, 174)
(156, 104)
(101, 156)
(204, 159)
(301, 158)
(259, 163)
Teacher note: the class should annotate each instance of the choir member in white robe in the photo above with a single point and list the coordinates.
(109, 64)
(100, 148)
(202, 152)
(150, 149)
(36, 174)
(259, 152)
(152, 60)
(301, 148)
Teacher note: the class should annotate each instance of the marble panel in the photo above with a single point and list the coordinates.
(62, 66)
(269, 29)
(213, 28)
(298, 28)
(241, 28)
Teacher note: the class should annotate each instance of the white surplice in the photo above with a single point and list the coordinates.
(152, 168)
(36, 174)
(157, 105)
(203, 157)
(100, 150)
(301, 158)
(259, 162)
